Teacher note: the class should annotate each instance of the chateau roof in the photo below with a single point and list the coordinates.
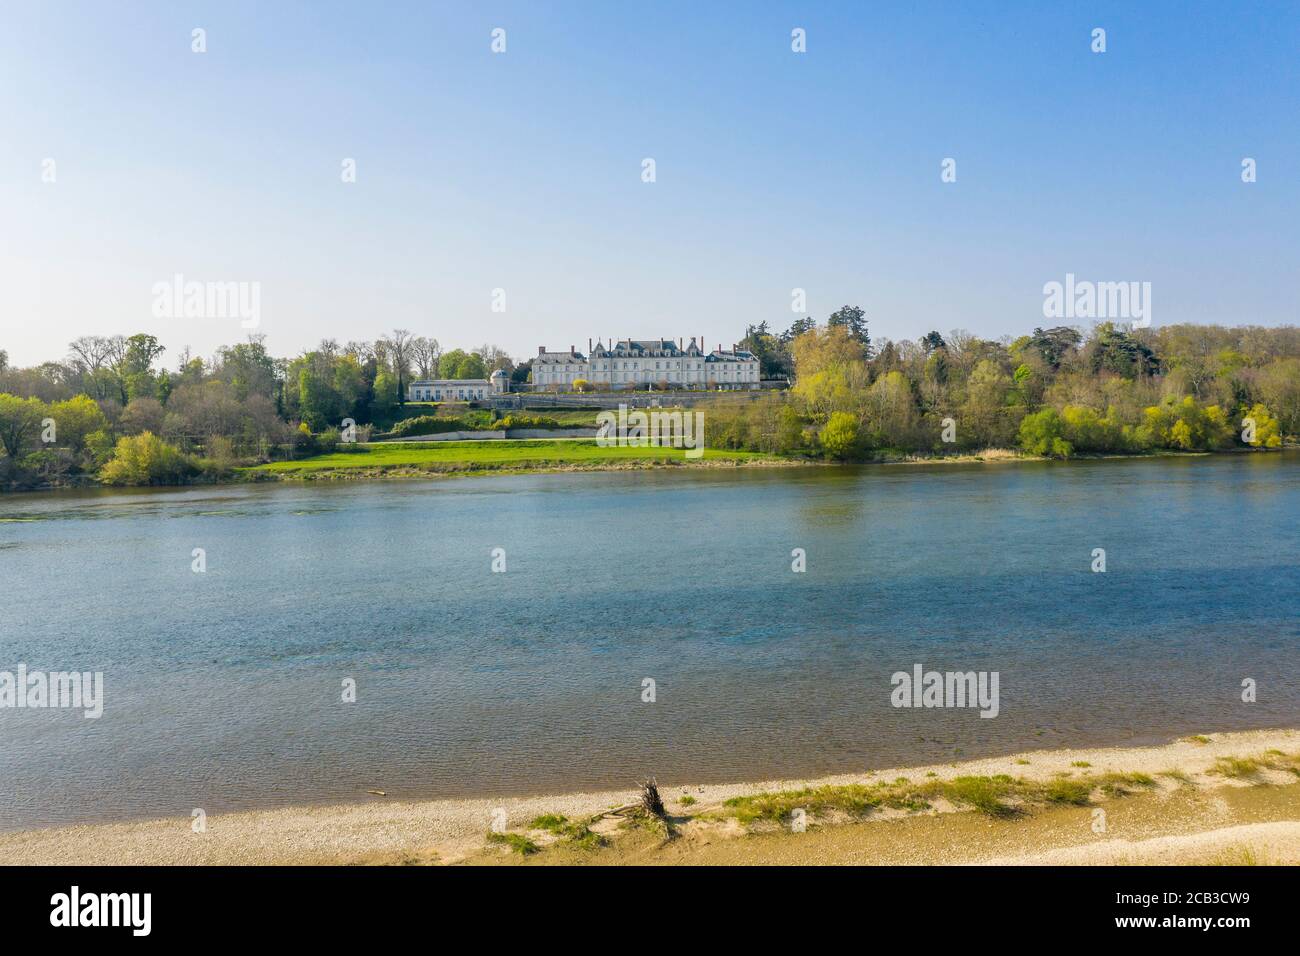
(729, 355)
(444, 382)
(641, 348)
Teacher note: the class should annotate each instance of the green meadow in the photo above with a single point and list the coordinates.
(487, 456)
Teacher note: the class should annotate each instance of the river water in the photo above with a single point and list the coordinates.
(224, 689)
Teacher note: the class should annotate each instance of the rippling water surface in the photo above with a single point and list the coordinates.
(223, 689)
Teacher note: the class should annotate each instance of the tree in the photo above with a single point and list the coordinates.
(985, 417)
(1114, 350)
(75, 419)
(249, 368)
(90, 355)
(460, 364)
(892, 415)
(1088, 431)
(1185, 424)
(1279, 388)
(831, 371)
(399, 356)
(797, 328)
(385, 397)
(853, 320)
(1267, 433)
(840, 436)
(1040, 434)
(773, 357)
(494, 357)
(142, 415)
(145, 459)
(425, 354)
(19, 420)
(931, 341)
(1055, 344)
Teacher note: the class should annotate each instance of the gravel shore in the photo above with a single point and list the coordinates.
(454, 829)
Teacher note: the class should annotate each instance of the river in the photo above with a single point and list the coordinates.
(224, 689)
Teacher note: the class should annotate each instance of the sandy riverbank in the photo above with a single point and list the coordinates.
(1193, 812)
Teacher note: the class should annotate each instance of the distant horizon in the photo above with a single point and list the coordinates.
(395, 171)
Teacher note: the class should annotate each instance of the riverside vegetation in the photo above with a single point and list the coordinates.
(111, 412)
(632, 834)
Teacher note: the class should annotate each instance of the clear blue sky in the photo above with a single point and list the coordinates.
(522, 170)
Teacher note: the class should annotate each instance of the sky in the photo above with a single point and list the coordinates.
(522, 170)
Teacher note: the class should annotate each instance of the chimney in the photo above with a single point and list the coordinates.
(541, 350)
(589, 346)
(679, 343)
(570, 349)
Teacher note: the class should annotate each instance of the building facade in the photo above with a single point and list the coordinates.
(638, 363)
(456, 389)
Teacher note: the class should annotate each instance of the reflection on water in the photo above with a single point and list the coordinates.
(223, 689)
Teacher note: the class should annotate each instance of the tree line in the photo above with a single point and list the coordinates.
(1058, 391)
(63, 419)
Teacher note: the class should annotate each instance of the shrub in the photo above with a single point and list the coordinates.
(841, 436)
(525, 421)
(434, 425)
(1186, 425)
(1087, 431)
(1267, 432)
(146, 459)
(1040, 434)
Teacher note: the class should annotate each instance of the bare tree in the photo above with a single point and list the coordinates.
(495, 357)
(399, 356)
(363, 352)
(90, 354)
(426, 353)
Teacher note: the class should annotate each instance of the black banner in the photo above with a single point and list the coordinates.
(334, 905)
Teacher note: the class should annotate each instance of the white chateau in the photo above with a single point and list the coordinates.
(633, 363)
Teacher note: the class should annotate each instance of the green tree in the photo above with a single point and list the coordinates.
(1055, 344)
(1040, 434)
(249, 368)
(840, 436)
(891, 412)
(1114, 350)
(75, 419)
(1267, 432)
(985, 418)
(145, 459)
(461, 364)
(853, 320)
(20, 419)
(773, 358)
(831, 371)
(797, 328)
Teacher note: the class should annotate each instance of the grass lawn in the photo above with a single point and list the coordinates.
(488, 455)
